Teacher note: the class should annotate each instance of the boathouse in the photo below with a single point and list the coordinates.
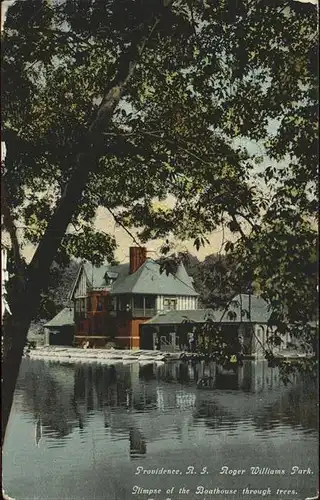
(111, 302)
(246, 317)
(60, 329)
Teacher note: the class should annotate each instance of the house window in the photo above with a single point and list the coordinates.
(144, 305)
(100, 303)
(138, 302)
(83, 307)
(170, 304)
(150, 302)
(124, 303)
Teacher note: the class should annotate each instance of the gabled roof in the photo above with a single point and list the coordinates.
(96, 275)
(258, 307)
(63, 318)
(71, 294)
(148, 280)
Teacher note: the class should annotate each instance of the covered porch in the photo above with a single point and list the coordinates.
(171, 331)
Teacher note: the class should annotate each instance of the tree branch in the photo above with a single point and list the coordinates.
(193, 21)
(117, 220)
(239, 227)
(127, 65)
(176, 144)
(253, 226)
(92, 151)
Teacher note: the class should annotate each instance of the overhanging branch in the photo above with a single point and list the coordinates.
(118, 221)
(166, 140)
(91, 151)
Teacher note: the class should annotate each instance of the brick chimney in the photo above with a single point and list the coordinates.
(138, 255)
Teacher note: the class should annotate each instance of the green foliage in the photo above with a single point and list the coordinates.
(91, 245)
(282, 259)
(216, 278)
(212, 341)
(209, 76)
(56, 296)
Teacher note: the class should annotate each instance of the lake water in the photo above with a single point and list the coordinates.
(89, 431)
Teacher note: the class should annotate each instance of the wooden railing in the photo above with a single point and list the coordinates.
(136, 312)
(143, 312)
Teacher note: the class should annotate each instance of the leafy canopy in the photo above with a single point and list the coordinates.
(210, 75)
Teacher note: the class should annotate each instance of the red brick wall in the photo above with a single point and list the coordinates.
(138, 256)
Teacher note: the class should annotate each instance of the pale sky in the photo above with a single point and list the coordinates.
(106, 223)
(4, 7)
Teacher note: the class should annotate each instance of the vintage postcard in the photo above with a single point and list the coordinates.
(159, 249)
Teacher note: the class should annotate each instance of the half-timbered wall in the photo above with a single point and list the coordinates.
(183, 303)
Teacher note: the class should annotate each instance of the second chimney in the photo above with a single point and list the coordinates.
(138, 255)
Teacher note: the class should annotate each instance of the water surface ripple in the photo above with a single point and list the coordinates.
(80, 432)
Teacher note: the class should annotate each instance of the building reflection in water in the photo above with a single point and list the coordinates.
(140, 401)
(138, 445)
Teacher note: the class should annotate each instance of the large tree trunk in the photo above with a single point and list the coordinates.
(27, 297)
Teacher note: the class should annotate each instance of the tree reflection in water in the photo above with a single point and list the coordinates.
(64, 397)
(296, 408)
(46, 398)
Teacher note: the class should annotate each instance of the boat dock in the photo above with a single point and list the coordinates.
(108, 356)
(126, 356)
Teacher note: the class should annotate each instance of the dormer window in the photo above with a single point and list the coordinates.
(110, 278)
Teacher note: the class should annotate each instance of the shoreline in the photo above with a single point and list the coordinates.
(125, 356)
(108, 356)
